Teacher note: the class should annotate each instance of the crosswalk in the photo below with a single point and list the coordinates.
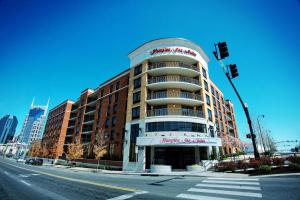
(219, 188)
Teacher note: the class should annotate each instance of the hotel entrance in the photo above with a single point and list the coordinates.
(177, 157)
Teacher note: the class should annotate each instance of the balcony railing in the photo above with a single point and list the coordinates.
(172, 64)
(170, 94)
(158, 79)
(181, 112)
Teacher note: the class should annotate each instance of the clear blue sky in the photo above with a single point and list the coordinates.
(58, 48)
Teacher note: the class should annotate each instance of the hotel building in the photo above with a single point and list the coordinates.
(163, 110)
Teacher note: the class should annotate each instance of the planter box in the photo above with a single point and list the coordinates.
(161, 168)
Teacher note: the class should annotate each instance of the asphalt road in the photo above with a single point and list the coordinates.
(26, 182)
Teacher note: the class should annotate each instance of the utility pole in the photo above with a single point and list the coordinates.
(223, 53)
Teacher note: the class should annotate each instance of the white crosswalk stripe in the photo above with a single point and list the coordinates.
(219, 188)
(232, 182)
(201, 197)
(240, 187)
(233, 179)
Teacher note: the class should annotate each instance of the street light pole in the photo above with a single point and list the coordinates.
(260, 132)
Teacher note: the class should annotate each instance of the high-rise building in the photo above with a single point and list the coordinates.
(163, 110)
(8, 125)
(34, 123)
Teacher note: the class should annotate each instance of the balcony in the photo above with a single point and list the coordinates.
(175, 112)
(173, 67)
(90, 110)
(180, 82)
(175, 97)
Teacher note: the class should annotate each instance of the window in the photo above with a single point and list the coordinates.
(116, 97)
(216, 112)
(136, 97)
(176, 126)
(137, 83)
(207, 100)
(138, 70)
(107, 123)
(111, 88)
(135, 113)
(115, 108)
(211, 131)
(102, 93)
(113, 121)
(204, 72)
(209, 114)
(108, 111)
(134, 133)
(117, 85)
(206, 86)
(217, 95)
(214, 101)
(212, 90)
(112, 135)
(110, 99)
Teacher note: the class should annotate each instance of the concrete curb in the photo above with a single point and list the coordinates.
(277, 175)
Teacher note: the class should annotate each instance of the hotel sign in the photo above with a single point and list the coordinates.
(178, 141)
(173, 50)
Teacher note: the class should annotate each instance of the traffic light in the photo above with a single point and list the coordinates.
(233, 70)
(248, 135)
(223, 50)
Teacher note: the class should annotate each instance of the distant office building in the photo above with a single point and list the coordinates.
(8, 125)
(34, 124)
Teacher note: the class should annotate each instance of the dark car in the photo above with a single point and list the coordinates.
(38, 161)
(29, 161)
(34, 161)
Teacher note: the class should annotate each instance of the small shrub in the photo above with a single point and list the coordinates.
(265, 160)
(265, 169)
(294, 166)
(226, 166)
(278, 161)
(254, 164)
(241, 164)
(294, 159)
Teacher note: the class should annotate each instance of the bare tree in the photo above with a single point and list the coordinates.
(100, 146)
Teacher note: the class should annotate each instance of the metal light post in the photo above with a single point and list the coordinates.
(260, 132)
(223, 52)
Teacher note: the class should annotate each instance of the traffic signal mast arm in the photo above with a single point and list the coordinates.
(245, 108)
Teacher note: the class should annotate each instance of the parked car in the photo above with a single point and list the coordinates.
(34, 161)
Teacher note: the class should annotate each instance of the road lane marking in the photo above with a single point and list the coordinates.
(24, 175)
(231, 182)
(77, 180)
(25, 183)
(201, 197)
(236, 193)
(233, 179)
(128, 196)
(229, 186)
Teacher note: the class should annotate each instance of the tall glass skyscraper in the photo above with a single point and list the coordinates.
(34, 124)
(8, 125)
